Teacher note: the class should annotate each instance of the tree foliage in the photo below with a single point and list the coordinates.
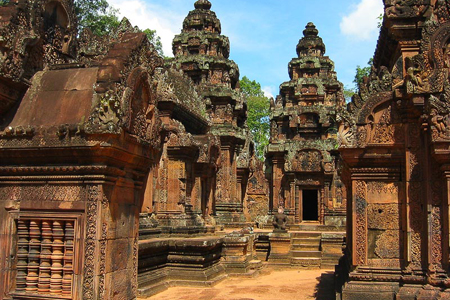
(97, 15)
(251, 88)
(362, 72)
(348, 93)
(380, 20)
(101, 18)
(155, 40)
(258, 114)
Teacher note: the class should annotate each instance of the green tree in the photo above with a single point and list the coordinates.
(251, 88)
(362, 72)
(258, 114)
(155, 40)
(97, 15)
(380, 20)
(348, 93)
(101, 18)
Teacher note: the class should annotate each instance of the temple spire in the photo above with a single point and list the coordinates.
(311, 44)
(202, 4)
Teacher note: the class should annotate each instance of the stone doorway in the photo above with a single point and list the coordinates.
(310, 205)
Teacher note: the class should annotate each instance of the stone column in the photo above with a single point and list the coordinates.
(415, 223)
(277, 176)
(229, 205)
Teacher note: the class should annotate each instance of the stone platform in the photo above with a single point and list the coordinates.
(206, 260)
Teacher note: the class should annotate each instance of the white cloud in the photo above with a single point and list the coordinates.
(362, 22)
(144, 15)
(268, 91)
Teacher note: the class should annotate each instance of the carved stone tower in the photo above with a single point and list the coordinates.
(202, 53)
(301, 156)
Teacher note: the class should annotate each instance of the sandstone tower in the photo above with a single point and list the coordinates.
(203, 54)
(302, 155)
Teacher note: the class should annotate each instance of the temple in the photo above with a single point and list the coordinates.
(302, 156)
(123, 174)
(201, 52)
(109, 154)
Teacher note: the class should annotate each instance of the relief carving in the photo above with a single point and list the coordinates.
(360, 226)
(436, 240)
(383, 216)
(90, 243)
(384, 245)
(384, 130)
(438, 111)
(63, 193)
(304, 161)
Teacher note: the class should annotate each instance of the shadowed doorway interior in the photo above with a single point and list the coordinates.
(310, 205)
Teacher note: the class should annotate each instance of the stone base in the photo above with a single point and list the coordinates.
(419, 292)
(408, 292)
(231, 215)
(169, 262)
(369, 291)
(280, 247)
(337, 219)
(331, 244)
(429, 293)
(156, 281)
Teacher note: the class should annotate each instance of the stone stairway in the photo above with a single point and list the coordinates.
(305, 249)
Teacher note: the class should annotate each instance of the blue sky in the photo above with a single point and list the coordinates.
(264, 33)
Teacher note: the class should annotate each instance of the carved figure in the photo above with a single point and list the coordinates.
(280, 221)
(416, 78)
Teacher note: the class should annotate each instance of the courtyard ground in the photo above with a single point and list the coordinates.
(283, 285)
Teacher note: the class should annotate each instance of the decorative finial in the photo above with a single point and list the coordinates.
(310, 30)
(202, 4)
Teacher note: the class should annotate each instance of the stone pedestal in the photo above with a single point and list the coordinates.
(280, 248)
(331, 244)
(238, 255)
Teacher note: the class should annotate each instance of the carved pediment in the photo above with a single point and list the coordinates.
(304, 161)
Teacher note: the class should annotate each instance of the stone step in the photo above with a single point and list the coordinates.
(153, 289)
(305, 247)
(255, 264)
(305, 241)
(315, 227)
(327, 266)
(330, 262)
(316, 235)
(306, 262)
(252, 273)
(192, 283)
(306, 254)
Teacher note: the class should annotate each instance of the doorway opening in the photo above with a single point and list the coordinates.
(310, 205)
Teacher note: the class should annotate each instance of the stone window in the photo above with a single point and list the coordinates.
(45, 256)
